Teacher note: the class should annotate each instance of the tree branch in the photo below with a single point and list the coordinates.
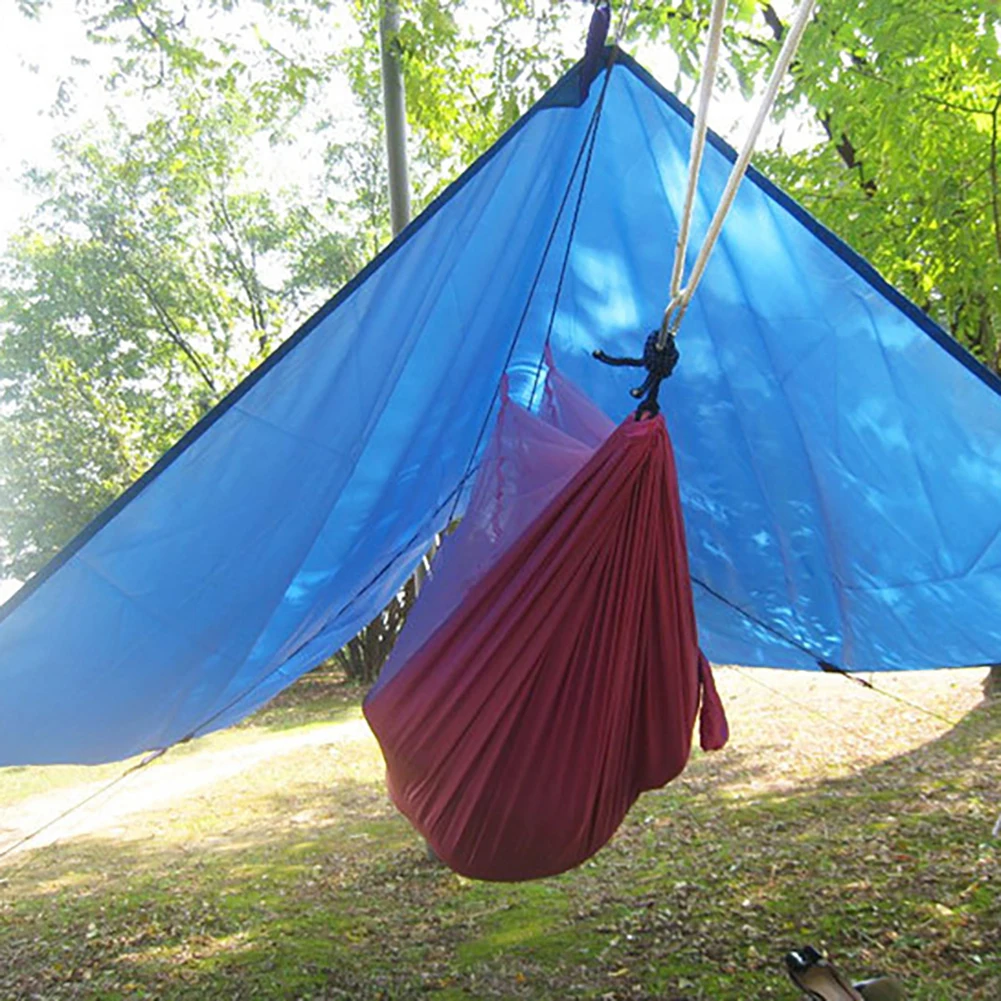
(153, 36)
(688, 15)
(860, 68)
(849, 157)
(773, 21)
(170, 328)
(247, 277)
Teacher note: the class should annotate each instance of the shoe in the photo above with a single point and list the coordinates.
(881, 989)
(818, 978)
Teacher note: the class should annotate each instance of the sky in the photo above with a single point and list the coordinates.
(51, 56)
(42, 59)
(39, 57)
(33, 59)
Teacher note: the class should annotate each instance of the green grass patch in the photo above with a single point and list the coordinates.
(295, 878)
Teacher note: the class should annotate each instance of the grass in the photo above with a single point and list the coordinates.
(864, 830)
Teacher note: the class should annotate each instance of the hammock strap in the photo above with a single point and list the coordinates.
(681, 296)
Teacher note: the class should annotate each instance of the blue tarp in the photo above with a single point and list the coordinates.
(839, 455)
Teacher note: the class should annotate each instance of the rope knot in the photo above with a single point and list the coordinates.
(659, 363)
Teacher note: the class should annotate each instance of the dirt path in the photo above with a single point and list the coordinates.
(789, 724)
(152, 788)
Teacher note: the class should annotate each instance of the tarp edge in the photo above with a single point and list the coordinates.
(832, 241)
(561, 94)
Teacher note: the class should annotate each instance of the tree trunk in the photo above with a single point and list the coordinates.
(362, 657)
(395, 107)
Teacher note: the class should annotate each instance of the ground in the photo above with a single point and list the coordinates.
(265, 862)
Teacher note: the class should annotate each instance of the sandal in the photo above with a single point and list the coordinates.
(819, 979)
(881, 989)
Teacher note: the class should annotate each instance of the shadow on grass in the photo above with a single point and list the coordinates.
(326, 893)
(892, 869)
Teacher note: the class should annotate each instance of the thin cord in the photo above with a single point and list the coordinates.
(149, 759)
(153, 755)
(816, 712)
(893, 696)
(591, 127)
(778, 634)
(573, 224)
(825, 665)
(805, 706)
(236, 700)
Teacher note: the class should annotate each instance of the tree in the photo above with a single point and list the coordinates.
(908, 95)
(148, 283)
(992, 682)
(363, 656)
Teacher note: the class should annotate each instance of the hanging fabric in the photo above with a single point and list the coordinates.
(594, 52)
(551, 671)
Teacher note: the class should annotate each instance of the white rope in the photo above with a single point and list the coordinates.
(681, 297)
(698, 140)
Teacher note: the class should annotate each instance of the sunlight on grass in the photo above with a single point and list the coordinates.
(294, 877)
(199, 947)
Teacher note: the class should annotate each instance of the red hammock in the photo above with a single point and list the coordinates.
(550, 672)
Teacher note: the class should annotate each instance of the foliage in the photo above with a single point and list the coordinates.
(151, 278)
(470, 71)
(909, 96)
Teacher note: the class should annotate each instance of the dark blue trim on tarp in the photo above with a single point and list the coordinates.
(851, 257)
(564, 93)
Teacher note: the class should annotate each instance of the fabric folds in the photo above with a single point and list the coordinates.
(566, 676)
